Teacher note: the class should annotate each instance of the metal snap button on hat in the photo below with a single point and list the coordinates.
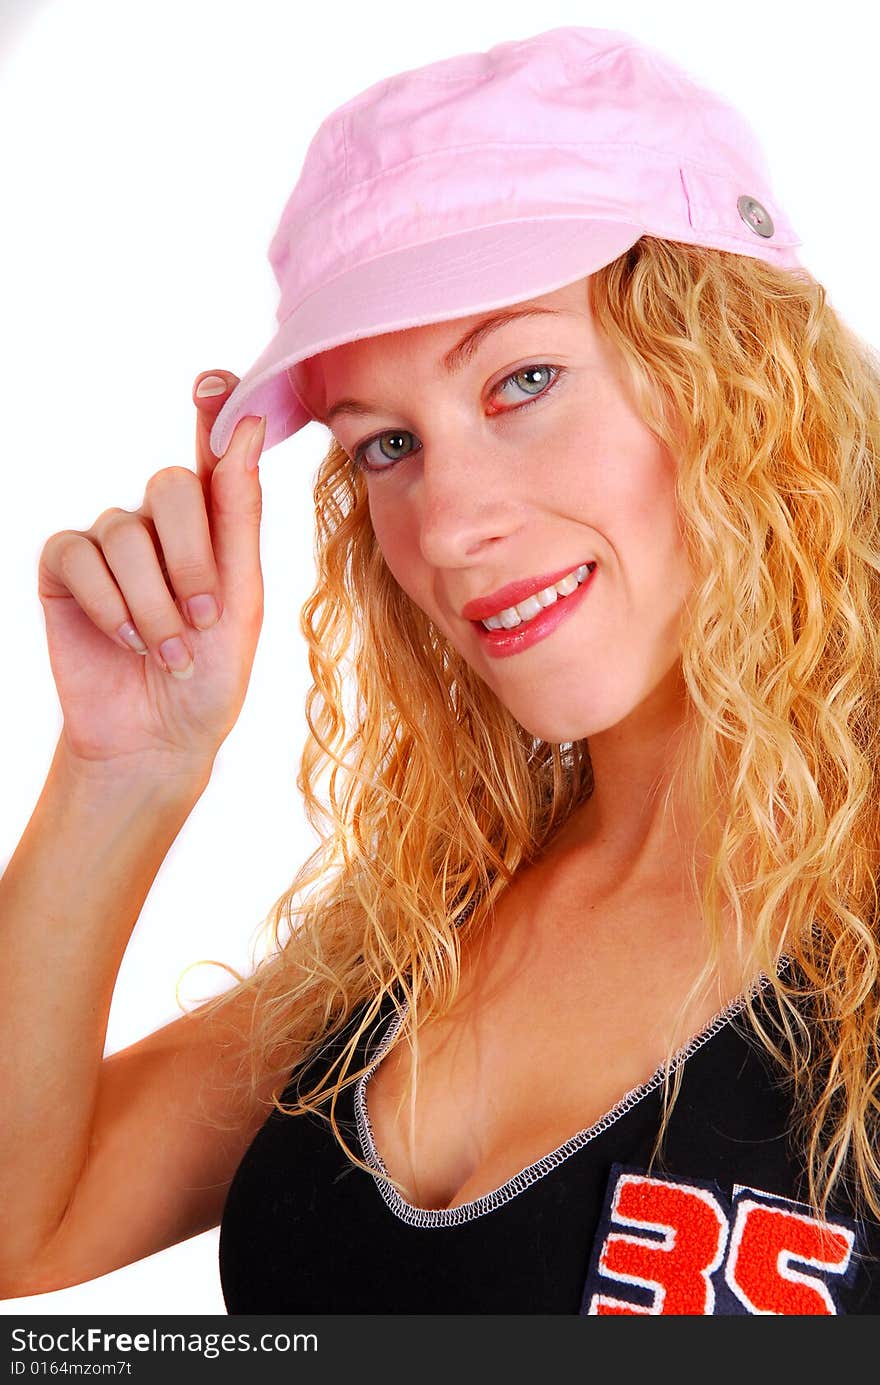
(755, 216)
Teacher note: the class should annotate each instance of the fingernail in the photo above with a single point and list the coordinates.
(212, 384)
(128, 633)
(255, 446)
(202, 611)
(177, 657)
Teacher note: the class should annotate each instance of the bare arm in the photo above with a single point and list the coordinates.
(158, 1170)
(85, 1141)
(69, 899)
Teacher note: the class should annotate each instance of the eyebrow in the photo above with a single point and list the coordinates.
(454, 361)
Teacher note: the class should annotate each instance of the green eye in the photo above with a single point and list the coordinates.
(522, 376)
(394, 440)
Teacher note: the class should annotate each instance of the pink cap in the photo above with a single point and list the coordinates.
(489, 178)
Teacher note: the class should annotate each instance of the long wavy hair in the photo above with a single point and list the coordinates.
(435, 795)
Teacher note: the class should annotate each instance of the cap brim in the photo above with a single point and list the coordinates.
(455, 276)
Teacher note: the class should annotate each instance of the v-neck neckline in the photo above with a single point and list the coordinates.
(512, 1187)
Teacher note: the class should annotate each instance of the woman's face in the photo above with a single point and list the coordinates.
(472, 487)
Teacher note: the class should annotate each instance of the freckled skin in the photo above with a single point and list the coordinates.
(484, 493)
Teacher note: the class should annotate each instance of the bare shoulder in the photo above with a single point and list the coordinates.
(172, 1122)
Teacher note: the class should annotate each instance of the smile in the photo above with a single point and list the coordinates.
(526, 610)
(501, 640)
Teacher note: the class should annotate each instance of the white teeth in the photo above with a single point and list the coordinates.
(567, 585)
(528, 609)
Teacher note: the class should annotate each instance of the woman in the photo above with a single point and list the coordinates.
(579, 996)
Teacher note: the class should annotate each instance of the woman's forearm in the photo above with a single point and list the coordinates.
(69, 899)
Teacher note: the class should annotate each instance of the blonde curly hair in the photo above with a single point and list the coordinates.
(436, 795)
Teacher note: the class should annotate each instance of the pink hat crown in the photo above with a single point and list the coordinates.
(436, 191)
(568, 91)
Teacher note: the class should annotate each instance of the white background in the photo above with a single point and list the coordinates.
(147, 153)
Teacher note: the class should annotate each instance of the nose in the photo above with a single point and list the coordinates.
(467, 499)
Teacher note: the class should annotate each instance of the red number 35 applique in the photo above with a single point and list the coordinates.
(672, 1245)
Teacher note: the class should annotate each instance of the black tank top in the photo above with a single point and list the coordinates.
(720, 1227)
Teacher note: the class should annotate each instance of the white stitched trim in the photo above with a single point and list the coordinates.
(478, 1207)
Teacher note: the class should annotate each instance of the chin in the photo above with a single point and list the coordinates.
(563, 725)
(557, 732)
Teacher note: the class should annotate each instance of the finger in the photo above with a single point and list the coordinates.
(117, 583)
(175, 503)
(208, 407)
(72, 565)
(130, 554)
(235, 513)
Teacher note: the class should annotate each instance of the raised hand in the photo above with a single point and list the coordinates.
(151, 574)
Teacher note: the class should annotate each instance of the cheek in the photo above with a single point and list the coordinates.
(660, 568)
(619, 482)
(396, 536)
(642, 496)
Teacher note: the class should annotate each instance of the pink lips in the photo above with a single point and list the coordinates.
(482, 607)
(501, 644)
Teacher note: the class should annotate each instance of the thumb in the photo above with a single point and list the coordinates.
(236, 507)
(210, 393)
